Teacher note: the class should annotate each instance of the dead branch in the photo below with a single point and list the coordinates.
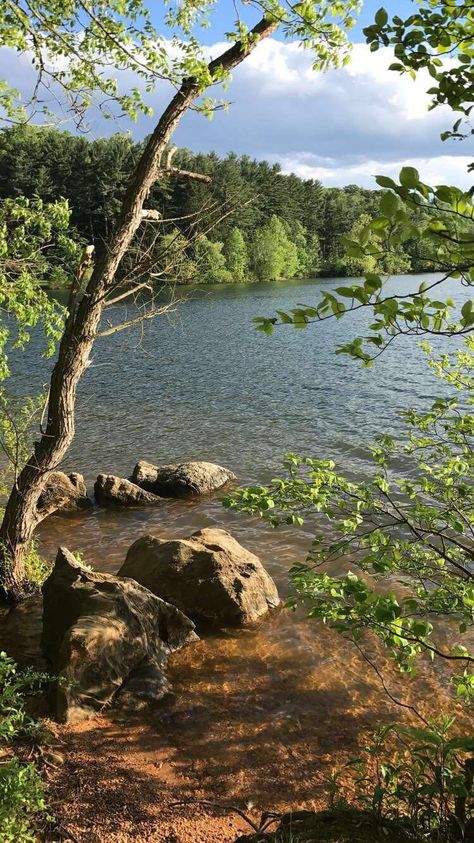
(150, 314)
(171, 153)
(187, 174)
(151, 215)
(219, 807)
(144, 286)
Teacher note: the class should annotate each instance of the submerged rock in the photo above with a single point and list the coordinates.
(116, 491)
(209, 576)
(100, 632)
(181, 479)
(63, 493)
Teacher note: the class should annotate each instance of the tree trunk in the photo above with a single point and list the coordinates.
(80, 331)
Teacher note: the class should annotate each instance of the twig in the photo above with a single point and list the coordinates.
(267, 819)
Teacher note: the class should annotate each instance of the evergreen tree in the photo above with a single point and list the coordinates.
(245, 193)
(313, 251)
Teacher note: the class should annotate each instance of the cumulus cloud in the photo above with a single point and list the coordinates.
(341, 127)
(440, 169)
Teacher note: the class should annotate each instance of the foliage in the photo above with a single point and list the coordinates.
(437, 37)
(174, 258)
(366, 262)
(16, 423)
(210, 262)
(74, 46)
(22, 796)
(419, 778)
(92, 175)
(273, 254)
(311, 262)
(414, 531)
(37, 569)
(35, 250)
(236, 254)
(447, 231)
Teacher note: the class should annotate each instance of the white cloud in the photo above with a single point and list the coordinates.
(441, 169)
(342, 126)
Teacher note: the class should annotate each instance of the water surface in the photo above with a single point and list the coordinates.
(204, 384)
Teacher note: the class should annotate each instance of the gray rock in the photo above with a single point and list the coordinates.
(99, 631)
(209, 576)
(116, 491)
(63, 493)
(181, 479)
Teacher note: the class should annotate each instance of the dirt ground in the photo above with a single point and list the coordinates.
(260, 736)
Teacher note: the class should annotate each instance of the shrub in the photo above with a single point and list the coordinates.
(22, 794)
(419, 778)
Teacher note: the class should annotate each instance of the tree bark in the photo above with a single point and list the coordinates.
(21, 518)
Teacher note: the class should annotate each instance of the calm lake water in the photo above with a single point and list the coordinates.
(204, 384)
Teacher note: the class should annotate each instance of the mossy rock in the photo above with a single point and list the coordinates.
(345, 826)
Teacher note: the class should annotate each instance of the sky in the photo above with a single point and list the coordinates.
(342, 127)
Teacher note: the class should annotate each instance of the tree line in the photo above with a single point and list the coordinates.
(261, 224)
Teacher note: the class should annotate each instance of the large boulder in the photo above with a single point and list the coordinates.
(105, 637)
(180, 480)
(116, 491)
(209, 576)
(63, 493)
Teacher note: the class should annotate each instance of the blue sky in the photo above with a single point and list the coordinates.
(343, 126)
(223, 16)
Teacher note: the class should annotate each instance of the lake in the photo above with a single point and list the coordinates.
(204, 384)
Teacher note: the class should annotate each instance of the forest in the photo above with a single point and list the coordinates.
(261, 224)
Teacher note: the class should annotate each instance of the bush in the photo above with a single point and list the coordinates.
(420, 779)
(22, 794)
(21, 799)
(37, 568)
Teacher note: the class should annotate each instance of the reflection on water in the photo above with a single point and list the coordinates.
(206, 385)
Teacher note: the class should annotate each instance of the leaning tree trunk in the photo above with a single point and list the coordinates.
(21, 516)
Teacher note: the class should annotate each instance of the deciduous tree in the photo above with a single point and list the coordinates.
(77, 51)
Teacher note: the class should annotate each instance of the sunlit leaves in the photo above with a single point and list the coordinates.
(438, 37)
(82, 50)
(36, 251)
(411, 535)
(410, 211)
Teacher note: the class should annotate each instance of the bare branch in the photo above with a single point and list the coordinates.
(150, 314)
(187, 174)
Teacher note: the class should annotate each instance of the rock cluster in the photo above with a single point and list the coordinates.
(105, 638)
(66, 493)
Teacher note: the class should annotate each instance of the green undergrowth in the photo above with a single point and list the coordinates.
(407, 784)
(22, 791)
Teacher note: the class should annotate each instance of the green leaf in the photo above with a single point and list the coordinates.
(388, 204)
(381, 17)
(409, 177)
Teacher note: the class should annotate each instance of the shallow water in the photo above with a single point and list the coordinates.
(204, 384)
